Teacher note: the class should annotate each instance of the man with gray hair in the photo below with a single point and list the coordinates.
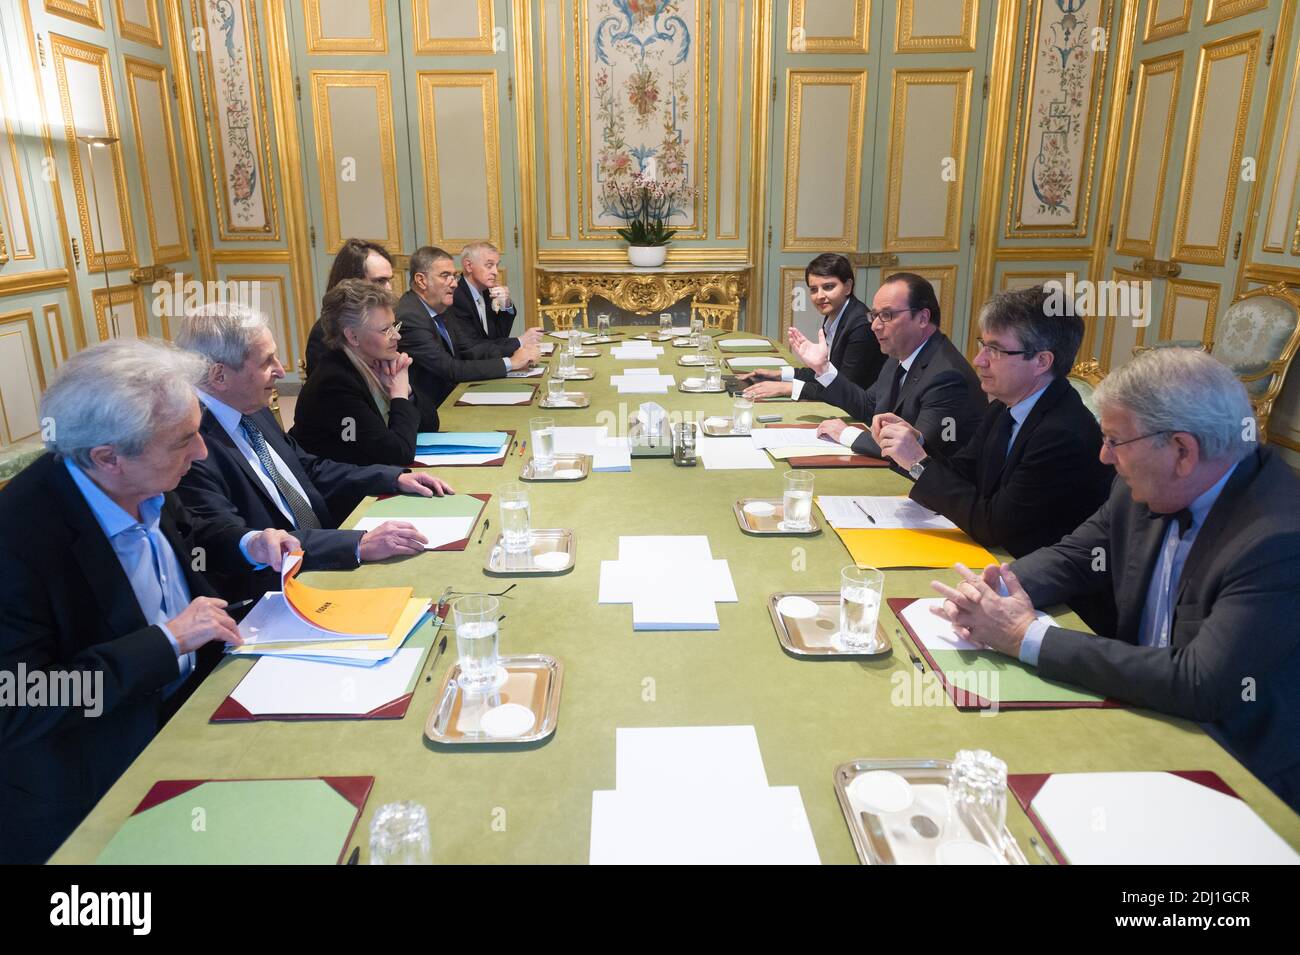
(257, 476)
(483, 314)
(1199, 542)
(102, 571)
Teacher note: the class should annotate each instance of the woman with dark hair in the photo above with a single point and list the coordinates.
(356, 259)
(358, 406)
(854, 349)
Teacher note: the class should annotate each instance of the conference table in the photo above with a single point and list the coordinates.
(531, 803)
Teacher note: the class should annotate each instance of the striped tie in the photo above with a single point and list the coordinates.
(304, 518)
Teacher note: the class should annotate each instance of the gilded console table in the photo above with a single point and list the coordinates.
(643, 291)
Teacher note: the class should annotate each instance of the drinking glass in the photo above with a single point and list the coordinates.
(475, 616)
(516, 526)
(567, 366)
(861, 589)
(684, 445)
(742, 416)
(555, 390)
(665, 324)
(602, 324)
(712, 374)
(542, 435)
(977, 800)
(399, 835)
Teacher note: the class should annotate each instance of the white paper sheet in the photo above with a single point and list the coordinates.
(607, 454)
(545, 348)
(763, 826)
(621, 581)
(788, 438)
(281, 686)
(935, 633)
(272, 621)
(643, 383)
(888, 512)
(730, 454)
(438, 530)
(433, 460)
(688, 757)
(496, 397)
(667, 548)
(745, 342)
(769, 362)
(1154, 819)
(632, 352)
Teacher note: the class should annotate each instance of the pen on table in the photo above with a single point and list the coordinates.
(522, 445)
(356, 854)
(863, 510)
(916, 661)
(486, 522)
(1039, 849)
(442, 645)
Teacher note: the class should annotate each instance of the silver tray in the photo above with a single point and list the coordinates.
(579, 374)
(577, 399)
(586, 354)
(533, 680)
(900, 838)
(684, 341)
(681, 386)
(687, 363)
(771, 526)
(599, 340)
(499, 563)
(717, 431)
(814, 638)
(563, 462)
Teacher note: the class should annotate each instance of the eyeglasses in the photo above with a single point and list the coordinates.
(997, 351)
(1113, 444)
(392, 331)
(886, 315)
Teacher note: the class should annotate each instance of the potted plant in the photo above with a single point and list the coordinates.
(646, 205)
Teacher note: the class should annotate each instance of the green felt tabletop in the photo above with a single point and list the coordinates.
(533, 803)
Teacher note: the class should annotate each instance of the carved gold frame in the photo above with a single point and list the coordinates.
(149, 33)
(1165, 28)
(1207, 292)
(642, 293)
(856, 82)
(24, 317)
(1156, 66)
(907, 41)
(859, 42)
(317, 42)
(1221, 10)
(88, 12)
(425, 43)
(150, 72)
(21, 196)
(104, 300)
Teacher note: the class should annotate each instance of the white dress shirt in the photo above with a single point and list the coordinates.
(849, 435)
(229, 419)
(787, 372)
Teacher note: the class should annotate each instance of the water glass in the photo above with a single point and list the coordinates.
(742, 416)
(665, 324)
(796, 502)
(684, 445)
(399, 835)
(977, 799)
(602, 324)
(516, 526)
(475, 616)
(861, 589)
(712, 374)
(542, 435)
(567, 366)
(555, 390)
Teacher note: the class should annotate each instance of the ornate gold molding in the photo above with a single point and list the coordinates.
(149, 33)
(106, 302)
(482, 43)
(1158, 66)
(7, 131)
(906, 40)
(677, 255)
(855, 80)
(88, 12)
(147, 72)
(1165, 28)
(1221, 10)
(1207, 292)
(798, 41)
(642, 293)
(317, 42)
(189, 123)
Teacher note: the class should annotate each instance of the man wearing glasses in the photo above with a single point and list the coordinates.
(1031, 473)
(926, 380)
(1199, 542)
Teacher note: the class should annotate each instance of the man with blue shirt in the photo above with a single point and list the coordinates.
(1198, 542)
(102, 572)
(258, 476)
(1031, 472)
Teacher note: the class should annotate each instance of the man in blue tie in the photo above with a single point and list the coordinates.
(1198, 542)
(258, 476)
(439, 362)
(102, 578)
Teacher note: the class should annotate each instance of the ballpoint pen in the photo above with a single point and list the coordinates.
(863, 510)
(916, 661)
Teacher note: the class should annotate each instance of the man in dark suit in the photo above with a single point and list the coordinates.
(439, 362)
(356, 259)
(482, 313)
(1031, 473)
(101, 598)
(926, 381)
(1198, 542)
(258, 476)
(854, 351)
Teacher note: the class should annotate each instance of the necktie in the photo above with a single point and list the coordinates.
(304, 518)
(894, 388)
(437, 323)
(482, 312)
(995, 452)
(1164, 572)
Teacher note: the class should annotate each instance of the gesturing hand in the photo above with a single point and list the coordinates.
(978, 612)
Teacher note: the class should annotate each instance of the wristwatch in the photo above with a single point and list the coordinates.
(917, 469)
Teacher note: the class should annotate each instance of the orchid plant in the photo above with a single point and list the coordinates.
(646, 205)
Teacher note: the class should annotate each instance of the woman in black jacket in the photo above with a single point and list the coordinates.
(357, 405)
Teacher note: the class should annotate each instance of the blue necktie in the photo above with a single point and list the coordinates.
(437, 322)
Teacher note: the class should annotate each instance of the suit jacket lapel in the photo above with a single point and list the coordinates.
(1147, 534)
(1217, 521)
(914, 374)
(214, 433)
(1048, 400)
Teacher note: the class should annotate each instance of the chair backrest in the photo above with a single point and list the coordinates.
(563, 317)
(1085, 376)
(1257, 338)
(715, 315)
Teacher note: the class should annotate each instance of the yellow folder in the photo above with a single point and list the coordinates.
(374, 610)
(913, 548)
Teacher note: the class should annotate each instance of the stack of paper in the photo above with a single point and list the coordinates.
(607, 454)
(293, 688)
(730, 454)
(535, 372)
(784, 443)
(897, 532)
(672, 583)
(464, 447)
(642, 381)
(504, 392)
(272, 629)
(696, 795)
(739, 363)
(744, 344)
(865, 512)
(636, 351)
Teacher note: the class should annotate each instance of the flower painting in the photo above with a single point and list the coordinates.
(641, 100)
(1068, 54)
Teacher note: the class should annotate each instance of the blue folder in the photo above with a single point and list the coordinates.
(460, 442)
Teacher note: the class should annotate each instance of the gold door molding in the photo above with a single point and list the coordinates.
(1160, 29)
(158, 162)
(799, 39)
(376, 41)
(88, 12)
(272, 301)
(1221, 10)
(12, 325)
(556, 103)
(106, 300)
(1112, 323)
(54, 325)
(63, 50)
(1218, 186)
(385, 178)
(944, 279)
(907, 40)
(149, 32)
(852, 119)
(426, 42)
(13, 196)
(247, 180)
(1089, 113)
(1139, 181)
(1178, 289)
(732, 48)
(1286, 181)
(902, 167)
(429, 83)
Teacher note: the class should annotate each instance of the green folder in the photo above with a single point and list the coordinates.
(999, 679)
(408, 505)
(241, 822)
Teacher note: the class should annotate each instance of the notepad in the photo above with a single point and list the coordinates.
(484, 397)
(880, 513)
